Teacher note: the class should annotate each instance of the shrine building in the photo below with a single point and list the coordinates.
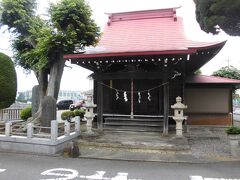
(142, 62)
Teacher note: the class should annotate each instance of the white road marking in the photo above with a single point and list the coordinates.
(98, 175)
(196, 178)
(65, 173)
(201, 178)
(121, 176)
(2, 170)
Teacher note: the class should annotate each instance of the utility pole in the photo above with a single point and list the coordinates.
(228, 62)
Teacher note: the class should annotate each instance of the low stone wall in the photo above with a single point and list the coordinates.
(35, 145)
(30, 144)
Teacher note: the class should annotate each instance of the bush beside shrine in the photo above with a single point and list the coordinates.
(233, 130)
(26, 113)
(79, 112)
(8, 81)
(66, 114)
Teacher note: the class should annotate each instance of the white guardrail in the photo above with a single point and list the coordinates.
(30, 143)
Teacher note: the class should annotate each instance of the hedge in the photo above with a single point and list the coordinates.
(26, 113)
(8, 81)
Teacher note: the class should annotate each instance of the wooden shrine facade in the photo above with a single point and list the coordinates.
(140, 85)
(140, 67)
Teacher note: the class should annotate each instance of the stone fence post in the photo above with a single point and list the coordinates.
(67, 128)
(77, 125)
(8, 129)
(5, 117)
(29, 130)
(54, 130)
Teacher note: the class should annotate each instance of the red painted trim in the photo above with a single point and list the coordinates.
(76, 56)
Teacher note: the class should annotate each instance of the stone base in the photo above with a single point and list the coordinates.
(90, 135)
(179, 140)
(35, 145)
(32, 148)
(71, 150)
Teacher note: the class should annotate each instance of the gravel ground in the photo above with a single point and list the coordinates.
(209, 142)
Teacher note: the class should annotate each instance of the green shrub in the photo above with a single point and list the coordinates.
(66, 114)
(79, 112)
(26, 113)
(233, 130)
(8, 81)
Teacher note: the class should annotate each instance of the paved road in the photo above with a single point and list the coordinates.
(236, 118)
(31, 167)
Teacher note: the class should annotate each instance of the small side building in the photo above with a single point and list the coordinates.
(209, 99)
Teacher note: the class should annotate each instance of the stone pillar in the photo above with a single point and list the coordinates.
(89, 115)
(35, 99)
(67, 128)
(234, 144)
(29, 130)
(48, 110)
(179, 127)
(178, 116)
(54, 130)
(5, 117)
(8, 129)
(77, 126)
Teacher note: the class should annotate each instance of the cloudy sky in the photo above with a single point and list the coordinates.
(228, 55)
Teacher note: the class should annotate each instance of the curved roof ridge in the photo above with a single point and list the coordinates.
(142, 11)
(143, 14)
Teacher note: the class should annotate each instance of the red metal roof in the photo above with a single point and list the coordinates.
(144, 31)
(203, 79)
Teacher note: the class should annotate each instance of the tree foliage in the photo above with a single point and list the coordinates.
(215, 14)
(39, 41)
(8, 81)
(228, 72)
(39, 44)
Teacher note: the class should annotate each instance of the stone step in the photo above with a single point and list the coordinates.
(132, 127)
(133, 119)
(134, 124)
(131, 130)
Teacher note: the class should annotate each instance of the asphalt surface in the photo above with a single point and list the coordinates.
(31, 167)
(236, 118)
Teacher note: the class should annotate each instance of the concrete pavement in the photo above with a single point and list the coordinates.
(201, 145)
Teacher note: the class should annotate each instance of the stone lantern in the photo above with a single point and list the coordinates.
(178, 115)
(89, 115)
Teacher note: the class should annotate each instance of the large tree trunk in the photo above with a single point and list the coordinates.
(42, 77)
(48, 87)
(55, 77)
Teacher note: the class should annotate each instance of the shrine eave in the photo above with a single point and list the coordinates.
(189, 50)
(195, 57)
(117, 54)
